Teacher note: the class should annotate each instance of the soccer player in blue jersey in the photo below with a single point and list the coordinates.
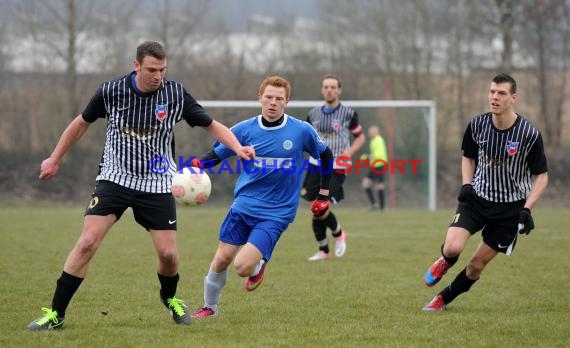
(266, 194)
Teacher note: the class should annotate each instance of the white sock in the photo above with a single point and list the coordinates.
(257, 268)
(213, 285)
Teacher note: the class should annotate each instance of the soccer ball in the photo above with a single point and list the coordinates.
(191, 187)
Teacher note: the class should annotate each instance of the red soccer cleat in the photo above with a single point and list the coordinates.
(254, 282)
(436, 305)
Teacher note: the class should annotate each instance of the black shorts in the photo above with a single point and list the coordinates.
(498, 221)
(153, 211)
(376, 175)
(312, 185)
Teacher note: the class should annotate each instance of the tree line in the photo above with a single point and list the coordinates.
(444, 50)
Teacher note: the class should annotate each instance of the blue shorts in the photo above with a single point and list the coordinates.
(238, 229)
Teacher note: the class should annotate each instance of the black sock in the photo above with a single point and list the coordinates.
(66, 287)
(370, 195)
(381, 198)
(459, 285)
(320, 231)
(450, 260)
(168, 286)
(332, 223)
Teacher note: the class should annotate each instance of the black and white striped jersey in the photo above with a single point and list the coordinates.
(140, 131)
(336, 127)
(506, 159)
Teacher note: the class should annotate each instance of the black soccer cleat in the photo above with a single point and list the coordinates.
(179, 311)
(49, 321)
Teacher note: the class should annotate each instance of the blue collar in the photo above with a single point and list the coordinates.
(328, 111)
(134, 84)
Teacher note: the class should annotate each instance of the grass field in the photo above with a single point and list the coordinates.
(372, 297)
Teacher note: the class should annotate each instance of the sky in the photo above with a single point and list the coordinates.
(237, 11)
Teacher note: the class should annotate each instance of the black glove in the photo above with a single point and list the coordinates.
(526, 224)
(466, 193)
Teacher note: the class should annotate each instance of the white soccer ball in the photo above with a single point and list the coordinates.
(191, 187)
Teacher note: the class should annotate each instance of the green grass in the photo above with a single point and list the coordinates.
(370, 298)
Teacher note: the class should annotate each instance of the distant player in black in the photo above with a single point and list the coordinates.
(504, 174)
(141, 109)
(336, 124)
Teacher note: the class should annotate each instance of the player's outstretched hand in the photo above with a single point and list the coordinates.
(196, 163)
(48, 169)
(467, 192)
(246, 152)
(526, 224)
(320, 205)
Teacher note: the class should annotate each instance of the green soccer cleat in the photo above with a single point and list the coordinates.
(179, 311)
(49, 321)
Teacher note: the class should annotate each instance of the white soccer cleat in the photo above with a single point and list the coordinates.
(340, 245)
(320, 255)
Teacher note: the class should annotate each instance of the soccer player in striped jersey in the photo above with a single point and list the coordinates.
(267, 192)
(504, 173)
(336, 125)
(141, 109)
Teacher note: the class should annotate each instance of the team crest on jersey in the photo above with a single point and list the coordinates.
(161, 111)
(512, 147)
(287, 144)
(336, 125)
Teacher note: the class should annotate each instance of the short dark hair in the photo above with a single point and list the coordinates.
(334, 77)
(504, 78)
(150, 48)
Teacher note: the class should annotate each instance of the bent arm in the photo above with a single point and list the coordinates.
(224, 135)
(356, 144)
(539, 183)
(326, 175)
(467, 169)
(70, 136)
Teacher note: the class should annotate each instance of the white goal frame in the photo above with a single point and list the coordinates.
(430, 118)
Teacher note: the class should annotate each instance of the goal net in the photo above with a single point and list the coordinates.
(408, 127)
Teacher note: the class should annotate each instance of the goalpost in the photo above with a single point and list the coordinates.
(428, 114)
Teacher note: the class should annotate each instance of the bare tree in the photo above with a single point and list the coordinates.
(116, 35)
(177, 25)
(545, 39)
(507, 23)
(4, 54)
(54, 26)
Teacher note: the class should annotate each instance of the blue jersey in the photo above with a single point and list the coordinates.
(269, 186)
